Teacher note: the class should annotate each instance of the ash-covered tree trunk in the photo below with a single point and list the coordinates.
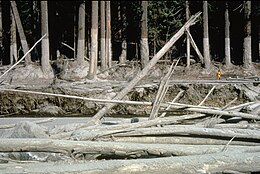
(94, 42)
(13, 42)
(122, 31)
(108, 35)
(206, 50)
(45, 52)
(187, 10)
(144, 46)
(1, 27)
(247, 57)
(81, 34)
(227, 37)
(18, 22)
(103, 36)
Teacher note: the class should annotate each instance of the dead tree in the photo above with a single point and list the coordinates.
(103, 36)
(19, 25)
(45, 57)
(141, 74)
(187, 10)
(206, 50)
(247, 56)
(144, 46)
(81, 34)
(227, 37)
(108, 35)
(13, 42)
(94, 42)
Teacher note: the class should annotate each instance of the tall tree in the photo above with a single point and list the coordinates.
(1, 26)
(206, 50)
(103, 36)
(227, 37)
(122, 31)
(13, 42)
(19, 25)
(94, 41)
(108, 35)
(81, 34)
(144, 47)
(187, 10)
(247, 57)
(45, 51)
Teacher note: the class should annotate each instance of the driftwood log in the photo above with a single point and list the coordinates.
(207, 163)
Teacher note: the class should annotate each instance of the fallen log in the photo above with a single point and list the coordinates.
(192, 130)
(94, 132)
(96, 118)
(114, 149)
(208, 163)
(178, 140)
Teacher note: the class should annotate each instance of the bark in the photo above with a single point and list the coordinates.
(18, 22)
(103, 36)
(81, 34)
(227, 37)
(108, 35)
(144, 46)
(92, 74)
(13, 44)
(187, 10)
(207, 163)
(45, 56)
(141, 74)
(247, 56)
(206, 50)
(113, 149)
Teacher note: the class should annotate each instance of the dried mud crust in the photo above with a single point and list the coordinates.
(107, 86)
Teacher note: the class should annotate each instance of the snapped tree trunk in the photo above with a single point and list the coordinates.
(206, 50)
(247, 57)
(141, 74)
(45, 57)
(13, 43)
(187, 10)
(227, 37)
(81, 34)
(18, 22)
(103, 36)
(144, 47)
(94, 42)
(108, 35)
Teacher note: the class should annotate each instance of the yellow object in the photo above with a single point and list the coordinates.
(218, 74)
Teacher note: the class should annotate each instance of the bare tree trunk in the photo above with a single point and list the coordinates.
(122, 18)
(206, 50)
(1, 26)
(94, 42)
(103, 36)
(13, 44)
(45, 56)
(144, 46)
(81, 34)
(18, 22)
(187, 35)
(247, 57)
(108, 35)
(227, 37)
